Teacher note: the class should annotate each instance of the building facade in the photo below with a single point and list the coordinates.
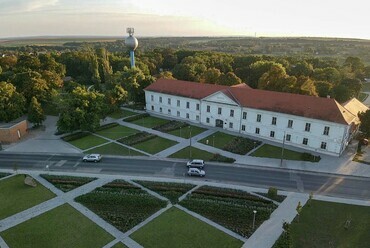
(13, 131)
(312, 123)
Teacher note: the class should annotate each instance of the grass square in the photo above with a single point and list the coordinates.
(119, 245)
(175, 228)
(155, 145)
(88, 142)
(218, 140)
(16, 196)
(122, 113)
(185, 131)
(195, 154)
(115, 149)
(61, 227)
(270, 151)
(117, 132)
(150, 121)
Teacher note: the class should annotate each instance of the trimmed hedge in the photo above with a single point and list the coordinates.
(106, 126)
(170, 126)
(136, 138)
(75, 136)
(219, 158)
(136, 117)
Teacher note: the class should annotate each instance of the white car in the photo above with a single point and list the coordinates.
(92, 158)
(195, 163)
(196, 172)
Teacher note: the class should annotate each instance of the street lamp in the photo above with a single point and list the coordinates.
(254, 217)
(190, 142)
(282, 151)
(254, 147)
(213, 141)
(180, 133)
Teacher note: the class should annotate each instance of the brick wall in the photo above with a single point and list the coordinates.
(9, 135)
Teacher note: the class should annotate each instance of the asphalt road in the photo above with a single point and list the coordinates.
(289, 180)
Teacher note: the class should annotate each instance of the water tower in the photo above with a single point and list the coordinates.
(132, 43)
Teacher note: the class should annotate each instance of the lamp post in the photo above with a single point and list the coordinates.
(254, 147)
(180, 133)
(282, 151)
(213, 143)
(254, 218)
(190, 142)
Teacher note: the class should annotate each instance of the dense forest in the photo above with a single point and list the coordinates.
(83, 82)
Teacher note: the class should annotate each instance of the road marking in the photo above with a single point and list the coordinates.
(77, 163)
(60, 163)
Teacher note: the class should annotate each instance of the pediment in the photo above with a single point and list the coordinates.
(220, 97)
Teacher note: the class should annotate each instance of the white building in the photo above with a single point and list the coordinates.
(313, 123)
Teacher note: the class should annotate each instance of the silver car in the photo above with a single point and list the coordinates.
(92, 158)
(196, 172)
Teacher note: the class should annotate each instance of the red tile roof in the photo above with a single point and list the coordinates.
(326, 109)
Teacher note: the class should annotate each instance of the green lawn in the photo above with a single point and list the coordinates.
(117, 132)
(119, 245)
(115, 149)
(323, 225)
(269, 151)
(4, 174)
(362, 97)
(61, 227)
(155, 145)
(88, 142)
(195, 153)
(366, 87)
(16, 196)
(121, 114)
(218, 140)
(150, 121)
(175, 228)
(185, 131)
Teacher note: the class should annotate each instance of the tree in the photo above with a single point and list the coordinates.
(276, 79)
(211, 76)
(365, 122)
(229, 79)
(301, 69)
(35, 113)
(328, 74)
(323, 88)
(12, 103)
(259, 68)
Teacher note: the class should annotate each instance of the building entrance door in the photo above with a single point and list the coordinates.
(219, 123)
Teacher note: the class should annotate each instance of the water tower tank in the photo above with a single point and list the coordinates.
(131, 42)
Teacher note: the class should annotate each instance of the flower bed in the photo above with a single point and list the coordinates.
(136, 117)
(171, 191)
(136, 138)
(67, 183)
(230, 208)
(278, 198)
(121, 204)
(241, 145)
(170, 126)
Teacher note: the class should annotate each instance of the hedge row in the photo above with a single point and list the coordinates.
(106, 126)
(241, 145)
(75, 136)
(170, 126)
(219, 158)
(136, 138)
(136, 117)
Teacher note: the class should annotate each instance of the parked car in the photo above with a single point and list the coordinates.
(195, 163)
(196, 172)
(92, 158)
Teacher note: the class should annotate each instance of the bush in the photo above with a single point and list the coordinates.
(272, 193)
(170, 126)
(75, 136)
(136, 138)
(309, 157)
(136, 117)
(219, 158)
(106, 126)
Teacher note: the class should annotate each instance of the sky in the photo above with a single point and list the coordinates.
(310, 18)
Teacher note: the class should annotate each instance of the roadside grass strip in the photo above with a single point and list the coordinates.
(172, 191)
(114, 149)
(61, 227)
(270, 151)
(230, 208)
(150, 121)
(193, 152)
(155, 145)
(67, 183)
(175, 228)
(16, 196)
(117, 132)
(88, 142)
(121, 204)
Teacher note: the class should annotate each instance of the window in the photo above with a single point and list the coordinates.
(308, 127)
(243, 127)
(258, 118)
(219, 111)
(160, 99)
(153, 108)
(323, 145)
(187, 105)
(207, 120)
(305, 141)
(169, 111)
(272, 134)
(244, 115)
(326, 130)
(231, 125)
(169, 101)
(197, 117)
(197, 106)
(178, 113)
(231, 113)
(257, 130)
(290, 123)
(273, 121)
(187, 115)
(160, 110)
(178, 103)
(208, 108)
(152, 98)
(288, 137)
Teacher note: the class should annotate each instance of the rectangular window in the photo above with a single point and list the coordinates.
(160, 99)
(326, 130)
(231, 125)
(272, 134)
(197, 106)
(290, 123)
(178, 103)
(308, 127)
(323, 145)
(258, 118)
(178, 113)
(208, 108)
(305, 141)
(219, 111)
(160, 110)
(187, 105)
(288, 137)
(243, 127)
(169, 111)
(273, 121)
(152, 98)
(187, 115)
(244, 115)
(169, 101)
(207, 120)
(231, 113)
(153, 108)
(257, 130)
(197, 117)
